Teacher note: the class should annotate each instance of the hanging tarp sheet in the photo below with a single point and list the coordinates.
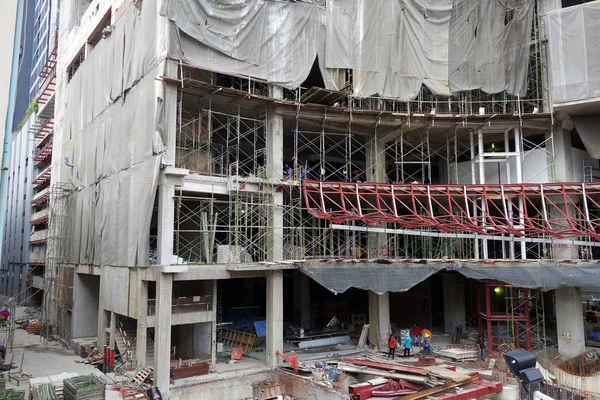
(115, 144)
(381, 278)
(393, 46)
(588, 128)
(489, 45)
(283, 48)
(574, 46)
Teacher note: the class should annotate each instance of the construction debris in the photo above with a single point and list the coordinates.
(84, 388)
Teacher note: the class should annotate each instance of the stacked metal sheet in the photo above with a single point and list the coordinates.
(11, 394)
(88, 387)
(45, 391)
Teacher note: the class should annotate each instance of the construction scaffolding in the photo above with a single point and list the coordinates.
(58, 274)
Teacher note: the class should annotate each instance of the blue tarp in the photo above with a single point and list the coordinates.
(261, 328)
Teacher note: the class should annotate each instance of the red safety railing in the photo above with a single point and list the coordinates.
(559, 210)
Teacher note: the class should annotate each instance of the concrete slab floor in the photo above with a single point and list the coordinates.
(40, 359)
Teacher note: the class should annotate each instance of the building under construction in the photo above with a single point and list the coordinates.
(407, 161)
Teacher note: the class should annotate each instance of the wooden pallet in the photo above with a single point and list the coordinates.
(234, 339)
(142, 374)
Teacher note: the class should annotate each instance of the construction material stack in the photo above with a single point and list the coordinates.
(45, 391)
(84, 388)
(11, 394)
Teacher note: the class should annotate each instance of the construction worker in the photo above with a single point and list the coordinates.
(407, 345)
(417, 334)
(392, 344)
(481, 345)
(426, 344)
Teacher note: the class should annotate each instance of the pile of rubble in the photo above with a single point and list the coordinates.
(382, 378)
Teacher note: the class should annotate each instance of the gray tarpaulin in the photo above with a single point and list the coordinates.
(381, 278)
(393, 46)
(288, 43)
(588, 128)
(489, 45)
(114, 143)
(574, 46)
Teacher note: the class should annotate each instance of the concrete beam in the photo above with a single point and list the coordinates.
(274, 317)
(569, 321)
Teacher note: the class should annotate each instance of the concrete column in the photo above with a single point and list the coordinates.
(162, 332)
(302, 299)
(102, 322)
(142, 328)
(376, 172)
(563, 172)
(113, 329)
(454, 302)
(213, 351)
(166, 223)
(569, 321)
(379, 319)
(274, 316)
(275, 175)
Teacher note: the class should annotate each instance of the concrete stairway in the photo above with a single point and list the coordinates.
(125, 336)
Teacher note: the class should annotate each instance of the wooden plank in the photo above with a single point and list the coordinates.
(429, 392)
(363, 335)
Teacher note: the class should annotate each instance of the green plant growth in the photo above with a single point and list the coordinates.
(33, 107)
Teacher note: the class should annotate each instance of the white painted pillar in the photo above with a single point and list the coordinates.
(569, 321)
(275, 175)
(166, 223)
(142, 328)
(454, 302)
(162, 331)
(274, 316)
(379, 319)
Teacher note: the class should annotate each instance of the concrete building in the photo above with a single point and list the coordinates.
(282, 161)
(44, 31)
(17, 188)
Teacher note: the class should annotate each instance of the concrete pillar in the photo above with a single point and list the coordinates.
(102, 323)
(142, 328)
(563, 172)
(454, 302)
(302, 299)
(162, 331)
(275, 175)
(563, 156)
(113, 329)
(569, 321)
(166, 223)
(379, 319)
(274, 316)
(213, 351)
(375, 156)
(164, 286)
